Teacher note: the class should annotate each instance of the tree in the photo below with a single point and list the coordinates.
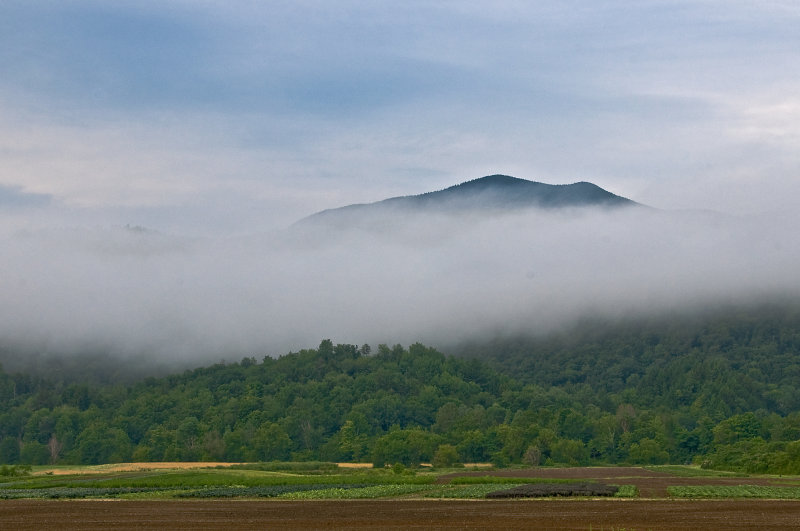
(625, 415)
(236, 446)
(648, 452)
(533, 456)
(99, 444)
(188, 437)
(569, 451)
(271, 443)
(9, 451)
(446, 456)
(34, 453)
(352, 441)
(735, 428)
(410, 447)
(213, 447)
(54, 446)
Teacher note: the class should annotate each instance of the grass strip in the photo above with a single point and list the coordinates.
(686, 471)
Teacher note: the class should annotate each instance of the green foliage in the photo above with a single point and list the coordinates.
(70, 492)
(476, 491)
(15, 470)
(686, 471)
(480, 480)
(304, 467)
(627, 491)
(734, 491)
(9, 450)
(265, 491)
(374, 491)
(446, 456)
(213, 478)
(409, 447)
(716, 389)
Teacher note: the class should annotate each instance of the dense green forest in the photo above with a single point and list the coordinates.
(717, 389)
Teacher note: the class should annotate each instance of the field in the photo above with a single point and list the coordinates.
(401, 514)
(285, 495)
(652, 482)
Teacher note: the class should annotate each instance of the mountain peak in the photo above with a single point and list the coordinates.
(491, 194)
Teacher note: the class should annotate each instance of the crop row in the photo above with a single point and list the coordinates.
(734, 491)
(373, 491)
(265, 491)
(627, 491)
(216, 478)
(473, 480)
(72, 492)
(555, 489)
(467, 491)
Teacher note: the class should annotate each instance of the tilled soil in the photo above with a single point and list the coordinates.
(400, 514)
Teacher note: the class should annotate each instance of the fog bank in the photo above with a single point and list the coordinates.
(438, 279)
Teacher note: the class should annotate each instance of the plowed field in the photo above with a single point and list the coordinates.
(399, 514)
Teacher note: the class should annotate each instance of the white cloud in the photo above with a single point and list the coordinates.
(436, 280)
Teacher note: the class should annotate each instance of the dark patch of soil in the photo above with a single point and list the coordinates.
(25, 515)
(544, 490)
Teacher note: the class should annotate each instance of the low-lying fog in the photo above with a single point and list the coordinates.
(438, 279)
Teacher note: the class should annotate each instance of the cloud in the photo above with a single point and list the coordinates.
(214, 121)
(16, 197)
(436, 279)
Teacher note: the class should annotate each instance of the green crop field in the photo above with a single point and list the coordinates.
(328, 481)
(735, 491)
(468, 491)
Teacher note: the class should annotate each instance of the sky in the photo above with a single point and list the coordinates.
(240, 116)
(212, 123)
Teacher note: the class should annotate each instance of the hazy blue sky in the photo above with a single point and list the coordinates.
(238, 116)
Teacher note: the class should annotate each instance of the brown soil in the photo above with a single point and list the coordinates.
(400, 514)
(651, 484)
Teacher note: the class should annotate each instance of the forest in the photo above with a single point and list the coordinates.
(718, 389)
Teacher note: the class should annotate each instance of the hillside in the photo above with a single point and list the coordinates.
(718, 389)
(730, 360)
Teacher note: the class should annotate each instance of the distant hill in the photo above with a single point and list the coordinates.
(491, 194)
(717, 389)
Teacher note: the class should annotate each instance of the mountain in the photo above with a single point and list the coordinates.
(490, 194)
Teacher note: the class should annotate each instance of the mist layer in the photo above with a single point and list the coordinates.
(430, 278)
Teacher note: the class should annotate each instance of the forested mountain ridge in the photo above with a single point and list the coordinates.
(730, 359)
(721, 392)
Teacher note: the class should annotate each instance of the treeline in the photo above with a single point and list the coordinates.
(720, 392)
(720, 363)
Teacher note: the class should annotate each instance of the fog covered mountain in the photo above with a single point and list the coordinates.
(492, 194)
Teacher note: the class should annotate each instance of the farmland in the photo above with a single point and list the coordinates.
(406, 514)
(327, 496)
